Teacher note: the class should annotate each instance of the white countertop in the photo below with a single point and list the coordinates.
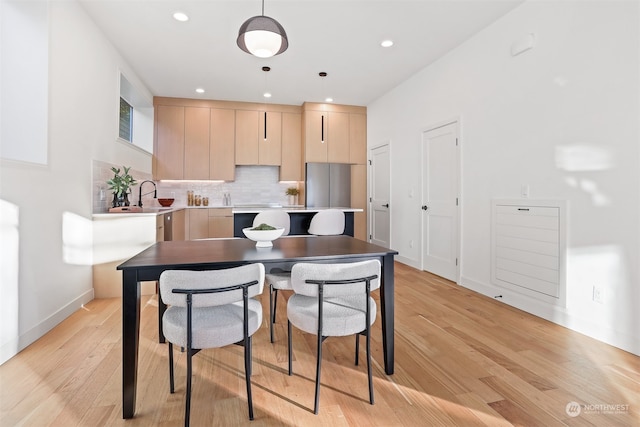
(242, 209)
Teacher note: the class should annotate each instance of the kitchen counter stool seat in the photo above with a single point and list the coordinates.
(328, 222)
(275, 218)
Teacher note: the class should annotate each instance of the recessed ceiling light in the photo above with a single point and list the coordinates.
(267, 95)
(386, 43)
(200, 90)
(328, 99)
(180, 16)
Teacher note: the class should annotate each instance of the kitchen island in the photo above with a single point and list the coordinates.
(300, 218)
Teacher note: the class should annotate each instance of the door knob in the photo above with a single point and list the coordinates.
(425, 207)
(386, 206)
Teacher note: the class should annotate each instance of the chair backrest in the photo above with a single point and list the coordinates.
(210, 279)
(275, 218)
(302, 271)
(327, 222)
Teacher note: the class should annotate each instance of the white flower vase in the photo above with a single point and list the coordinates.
(292, 200)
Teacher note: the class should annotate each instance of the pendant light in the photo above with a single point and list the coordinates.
(262, 36)
(322, 75)
(267, 95)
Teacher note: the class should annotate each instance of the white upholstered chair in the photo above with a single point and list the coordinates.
(327, 222)
(333, 300)
(210, 309)
(275, 218)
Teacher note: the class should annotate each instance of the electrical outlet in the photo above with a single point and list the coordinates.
(410, 243)
(598, 295)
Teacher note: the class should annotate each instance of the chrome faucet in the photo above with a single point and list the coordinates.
(155, 192)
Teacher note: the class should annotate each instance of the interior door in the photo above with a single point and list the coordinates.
(380, 196)
(440, 200)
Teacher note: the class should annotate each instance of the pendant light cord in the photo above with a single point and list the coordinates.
(262, 7)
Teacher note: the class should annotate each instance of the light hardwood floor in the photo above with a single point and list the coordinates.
(461, 359)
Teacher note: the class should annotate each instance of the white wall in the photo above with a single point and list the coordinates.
(562, 118)
(53, 201)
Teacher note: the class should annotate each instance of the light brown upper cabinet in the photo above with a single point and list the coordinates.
(291, 168)
(358, 139)
(270, 138)
(258, 137)
(247, 124)
(315, 147)
(168, 162)
(206, 139)
(334, 133)
(338, 143)
(222, 145)
(196, 142)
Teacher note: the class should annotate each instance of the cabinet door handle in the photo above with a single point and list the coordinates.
(425, 207)
(386, 205)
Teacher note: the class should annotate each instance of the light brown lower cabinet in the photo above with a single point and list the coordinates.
(205, 223)
(198, 224)
(359, 200)
(220, 223)
(176, 222)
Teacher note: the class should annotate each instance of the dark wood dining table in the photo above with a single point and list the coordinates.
(214, 254)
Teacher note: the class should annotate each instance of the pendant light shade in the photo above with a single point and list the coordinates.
(262, 36)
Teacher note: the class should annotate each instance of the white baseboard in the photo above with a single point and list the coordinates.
(556, 314)
(408, 261)
(13, 347)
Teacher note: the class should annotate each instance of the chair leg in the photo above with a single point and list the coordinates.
(273, 300)
(289, 346)
(187, 410)
(357, 347)
(369, 365)
(318, 366)
(247, 374)
(171, 383)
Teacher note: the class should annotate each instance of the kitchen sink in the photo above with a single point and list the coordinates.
(155, 210)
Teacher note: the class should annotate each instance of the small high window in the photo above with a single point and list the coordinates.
(126, 120)
(135, 117)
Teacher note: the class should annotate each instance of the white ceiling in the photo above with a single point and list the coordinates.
(339, 37)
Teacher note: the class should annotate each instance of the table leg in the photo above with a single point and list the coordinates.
(387, 308)
(162, 307)
(130, 338)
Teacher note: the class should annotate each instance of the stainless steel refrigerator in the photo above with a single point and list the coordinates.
(328, 185)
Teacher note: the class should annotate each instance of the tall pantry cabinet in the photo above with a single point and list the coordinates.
(338, 134)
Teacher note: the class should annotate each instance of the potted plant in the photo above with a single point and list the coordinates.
(121, 186)
(292, 192)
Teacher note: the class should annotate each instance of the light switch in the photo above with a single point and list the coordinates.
(524, 191)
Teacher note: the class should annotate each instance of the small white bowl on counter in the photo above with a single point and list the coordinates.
(263, 238)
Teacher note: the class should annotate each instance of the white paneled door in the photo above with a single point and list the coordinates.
(440, 201)
(380, 195)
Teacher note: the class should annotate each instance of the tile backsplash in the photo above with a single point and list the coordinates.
(253, 184)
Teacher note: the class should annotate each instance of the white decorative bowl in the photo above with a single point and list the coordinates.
(264, 238)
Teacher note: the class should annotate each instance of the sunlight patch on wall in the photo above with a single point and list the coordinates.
(77, 239)
(121, 237)
(598, 198)
(9, 262)
(583, 158)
